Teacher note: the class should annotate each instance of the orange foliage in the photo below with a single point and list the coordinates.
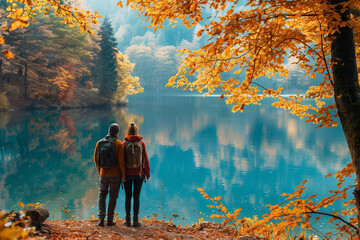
(126, 83)
(22, 11)
(60, 88)
(255, 40)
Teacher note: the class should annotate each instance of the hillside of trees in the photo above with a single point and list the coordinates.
(55, 65)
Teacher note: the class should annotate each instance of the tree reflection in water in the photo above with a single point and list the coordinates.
(249, 159)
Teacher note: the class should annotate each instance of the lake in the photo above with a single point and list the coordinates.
(192, 142)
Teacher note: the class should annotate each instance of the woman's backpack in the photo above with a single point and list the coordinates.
(106, 154)
(134, 154)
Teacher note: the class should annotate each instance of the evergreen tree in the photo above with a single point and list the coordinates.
(107, 60)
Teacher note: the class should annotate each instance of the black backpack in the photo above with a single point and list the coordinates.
(106, 155)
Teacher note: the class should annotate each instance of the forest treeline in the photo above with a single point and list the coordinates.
(55, 65)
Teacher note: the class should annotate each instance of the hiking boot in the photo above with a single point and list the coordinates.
(111, 223)
(101, 223)
(136, 222)
(127, 221)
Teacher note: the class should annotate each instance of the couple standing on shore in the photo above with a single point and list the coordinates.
(121, 163)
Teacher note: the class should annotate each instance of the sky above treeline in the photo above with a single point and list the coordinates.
(155, 53)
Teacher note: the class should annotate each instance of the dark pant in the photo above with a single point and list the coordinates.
(106, 184)
(131, 181)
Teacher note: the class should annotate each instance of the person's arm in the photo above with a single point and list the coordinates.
(121, 160)
(96, 158)
(147, 165)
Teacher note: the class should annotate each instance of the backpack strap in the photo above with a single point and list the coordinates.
(142, 155)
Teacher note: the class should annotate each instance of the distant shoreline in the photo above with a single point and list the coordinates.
(42, 106)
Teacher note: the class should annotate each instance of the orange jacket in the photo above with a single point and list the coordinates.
(118, 169)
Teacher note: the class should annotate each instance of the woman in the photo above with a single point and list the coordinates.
(137, 168)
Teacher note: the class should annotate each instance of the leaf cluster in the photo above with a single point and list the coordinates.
(253, 42)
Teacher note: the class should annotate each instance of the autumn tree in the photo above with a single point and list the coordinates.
(34, 47)
(69, 39)
(256, 39)
(45, 59)
(126, 83)
(107, 72)
(31, 61)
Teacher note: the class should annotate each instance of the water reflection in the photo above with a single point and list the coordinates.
(249, 159)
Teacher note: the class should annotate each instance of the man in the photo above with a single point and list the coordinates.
(110, 164)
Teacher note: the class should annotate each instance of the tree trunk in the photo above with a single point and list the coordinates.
(37, 216)
(347, 93)
(25, 80)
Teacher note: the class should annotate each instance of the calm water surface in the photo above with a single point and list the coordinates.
(192, 142)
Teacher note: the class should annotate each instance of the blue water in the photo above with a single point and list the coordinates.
(192, 142)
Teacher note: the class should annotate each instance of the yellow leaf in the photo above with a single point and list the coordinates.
(29, 2)
(19, 23)
(201, 220)
(232, 217)
(198, 34)
(30, 205)
(328, 175)
(8, 54)
(312, 75)
(21, 204)
(217, 198)
(2, 41)
(4, 27)
(263, 4)
(193, 7)
(312, 196)
(200, 189)
(120, 4)
(18, 12)
(10, 233)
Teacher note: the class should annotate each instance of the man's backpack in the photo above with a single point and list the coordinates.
(134, 154)
(106, 155)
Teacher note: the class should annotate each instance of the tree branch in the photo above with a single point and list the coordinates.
(331, 215)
